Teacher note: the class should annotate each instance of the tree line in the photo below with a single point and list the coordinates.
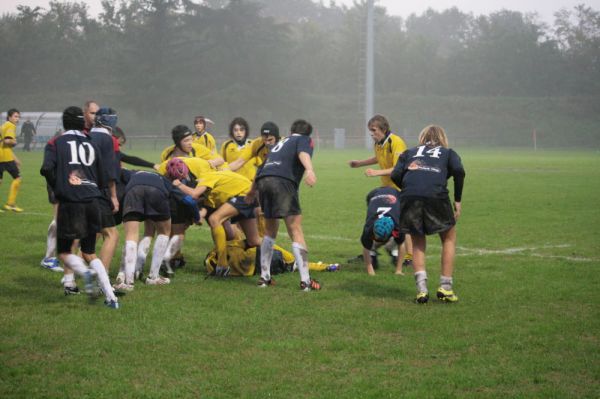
(163, 60)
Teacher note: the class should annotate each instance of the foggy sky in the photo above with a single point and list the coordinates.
(545, 8)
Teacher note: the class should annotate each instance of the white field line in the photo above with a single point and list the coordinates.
(461, 251)
(464, 251)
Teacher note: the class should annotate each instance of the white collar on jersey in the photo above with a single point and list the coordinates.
(101, 130)
(74, 133)
(387, 138)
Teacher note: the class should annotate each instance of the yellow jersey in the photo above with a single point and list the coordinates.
(198, 151)
(230, 151)
(207, 140)
(8, 130)
(223, 185)
(256, 149)
(197, 166)
(387, 154)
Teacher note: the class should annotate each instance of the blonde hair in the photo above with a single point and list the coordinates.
(433, 135)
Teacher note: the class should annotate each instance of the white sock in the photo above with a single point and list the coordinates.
(421, 281)
(103, 280)
(130, 259)
(76, 264)
(68, 280)
(174, 246)
(446, 283)
(51, 240)
(301, 258)
(158, 254)
(142, 253)
(266, 255)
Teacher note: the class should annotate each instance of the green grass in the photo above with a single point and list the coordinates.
(527, 324)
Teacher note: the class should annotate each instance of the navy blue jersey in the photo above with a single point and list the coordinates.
(283, 159)
(102, 138)
(144, 178)
(382, 201)
(424, 172)
(72, 167)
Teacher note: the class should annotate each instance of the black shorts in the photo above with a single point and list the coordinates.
(278, 197)
(180, 213)
(87, 245)
(106, 213)
(246, 211)
(51, 197)
(77, 220)
(146, 202)
(425, 216)
(11, 168)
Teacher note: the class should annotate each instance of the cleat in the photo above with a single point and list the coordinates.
(112, 304)
(310, 285)
(51, 264)
(262, 283)
(166, 270)
(333, 267)
(422, 297)
(446, 295)
(160, 280)
(177, 263)
(71, 291)
(13, 208)
(407, 263)
(120, 278)
(222, 271)
(122, 287)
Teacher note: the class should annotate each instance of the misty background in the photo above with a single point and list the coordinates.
(488, 79)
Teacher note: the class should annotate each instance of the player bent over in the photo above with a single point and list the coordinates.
(147, 198)
(422, 173)
(225, 192)
(277, 185)
(73, 169)
(381, 224)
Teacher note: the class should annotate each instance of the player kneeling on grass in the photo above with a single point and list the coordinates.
(382, 223)
(422, 173)
(224, 193)
(72, 168)
(277, 185)
(147, 198)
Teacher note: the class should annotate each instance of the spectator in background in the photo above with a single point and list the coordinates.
(27, 132)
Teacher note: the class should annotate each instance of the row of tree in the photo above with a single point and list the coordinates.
(162, 60)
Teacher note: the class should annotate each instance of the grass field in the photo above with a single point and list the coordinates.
(527, 324)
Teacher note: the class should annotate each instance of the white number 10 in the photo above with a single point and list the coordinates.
(79, 155)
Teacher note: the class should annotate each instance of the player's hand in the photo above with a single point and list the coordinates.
(250, 198)
(354, 163)
(18, 162)
(370, 172)
(156, 167)
(310, 179)
(457, 210)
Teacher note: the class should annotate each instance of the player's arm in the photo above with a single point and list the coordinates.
(48, 169)
(398, 170)
(194, 192)
(310, 178)
(378, 172)
(457, 171)
(365, 162)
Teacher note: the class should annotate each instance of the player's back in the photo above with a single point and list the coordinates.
(283, 159)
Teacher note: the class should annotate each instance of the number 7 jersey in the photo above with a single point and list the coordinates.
(72, 167)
